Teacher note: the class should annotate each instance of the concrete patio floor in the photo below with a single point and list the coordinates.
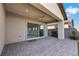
(43, 47)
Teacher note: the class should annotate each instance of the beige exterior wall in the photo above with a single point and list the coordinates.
(2, 28)
(16, 28)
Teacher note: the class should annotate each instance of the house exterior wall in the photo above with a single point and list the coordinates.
(16, 28)
(2, 28)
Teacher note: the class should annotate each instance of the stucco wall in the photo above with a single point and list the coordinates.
(2, 28)
(15, 28)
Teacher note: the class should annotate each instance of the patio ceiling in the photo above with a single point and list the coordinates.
(27, 10)
(55, 10)
(65, 22)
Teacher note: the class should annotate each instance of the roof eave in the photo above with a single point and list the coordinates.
(60, 5)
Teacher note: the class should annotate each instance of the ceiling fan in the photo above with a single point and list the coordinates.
(42, 17)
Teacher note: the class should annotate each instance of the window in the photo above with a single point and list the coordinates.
(51, 27)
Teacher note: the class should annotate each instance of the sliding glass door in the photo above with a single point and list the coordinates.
(35, 30)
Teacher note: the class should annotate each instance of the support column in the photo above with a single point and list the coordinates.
(61, 29)
(26, 30)
(45, 30)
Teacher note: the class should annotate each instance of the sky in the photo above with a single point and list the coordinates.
(72, 11)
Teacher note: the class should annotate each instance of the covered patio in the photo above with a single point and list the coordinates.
(44, 47)
(22, 23)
